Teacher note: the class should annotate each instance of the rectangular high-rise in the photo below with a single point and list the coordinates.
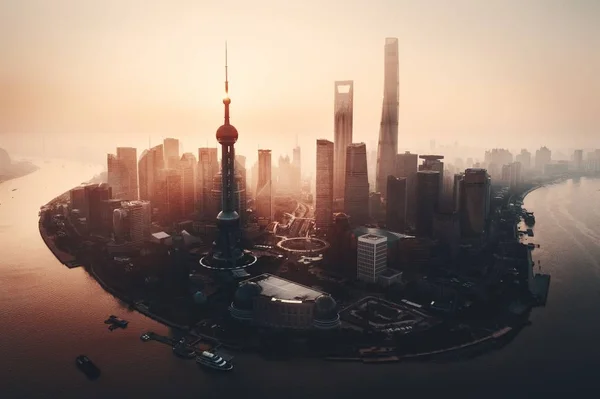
(151, 161)
(264, 190)
(241, 186)
(395, 212)
(171, 153)
(371, 257)
(208, 167)
(169, 195)
(187, 168)
(407, 166)
(342, 130)
(324, 186)
(123, 173)
(356, 197)
(387, 148)
(428, 194)
(475, 202)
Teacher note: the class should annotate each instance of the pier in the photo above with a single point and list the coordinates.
(196, 344)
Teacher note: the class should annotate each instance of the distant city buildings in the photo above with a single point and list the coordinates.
(169, 195)
(388, 131)
(371, 257)
(171, 147)
(264, 190)
(122, 173)
(139, 218)
(150, 163)
(407, 166)
(187, 169)
(241, 187)
(324, 185)
(512, 175)
(524, 158)
(356, 198)
(543, 157)
(342, 126)
(578, 160)
(208, 167)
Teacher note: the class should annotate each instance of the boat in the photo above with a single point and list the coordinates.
(87, 367)
(145, 337)
(182, 350)
(213, 361)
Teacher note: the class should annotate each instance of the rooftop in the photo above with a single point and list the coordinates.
(279, 288)
(373, 237)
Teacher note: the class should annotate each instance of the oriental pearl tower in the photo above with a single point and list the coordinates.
(227, 253)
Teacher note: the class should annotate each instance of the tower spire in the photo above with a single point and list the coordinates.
(226, 100)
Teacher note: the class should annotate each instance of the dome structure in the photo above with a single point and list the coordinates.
(227, 134)
(245, 294)
(325, 308)
(326, 316)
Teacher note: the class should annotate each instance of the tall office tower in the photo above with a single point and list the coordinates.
(512, 175)
(356, 197)
(407, 166)
(475, 202)
(264, 188)
(342, 132)
(376, 212)
(151, 161)
(524, 158)
(169, 195)
(227, 253)
(433, 162)
(122, 173)
(241, 187)
(371, 257)
(187, 169)
(458, 177)
(254, 179)
(388, 131)
(324, 186)
(428, 194)
(98, 195)
(395, 211)
(578, 160)
(297, 164)
(139, 217)
(372, 165)
(171, 153)
(208, 167)
(543, 157)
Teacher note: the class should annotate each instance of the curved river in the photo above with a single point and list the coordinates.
(51, 314)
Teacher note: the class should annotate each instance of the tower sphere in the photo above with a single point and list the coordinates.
(227, 134)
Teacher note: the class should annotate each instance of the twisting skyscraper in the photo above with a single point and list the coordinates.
(227, 253)
(342, 126)
(388, 131)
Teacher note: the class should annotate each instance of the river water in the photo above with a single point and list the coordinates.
(51, 314)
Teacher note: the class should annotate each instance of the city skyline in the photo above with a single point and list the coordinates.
(482, 84)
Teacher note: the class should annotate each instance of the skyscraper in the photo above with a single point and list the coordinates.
(395, 213)
(264, 189)
(98, 195)
(171, 153)
(324, 186)
(578, 160)
(123, 174)
(227, 253)
(356, 198)
(371, 259)
(297, 169)
(187, 168)
(388, 131)
(407, 167)
(543, 157)
(428, 193)
(139, 217)
(342, 130)
(169, 195)
(475, 202)
(208, 167)
(151, 161)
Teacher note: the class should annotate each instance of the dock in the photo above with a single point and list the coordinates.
(197, 344)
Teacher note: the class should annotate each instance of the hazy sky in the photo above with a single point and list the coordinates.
(112, 72)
